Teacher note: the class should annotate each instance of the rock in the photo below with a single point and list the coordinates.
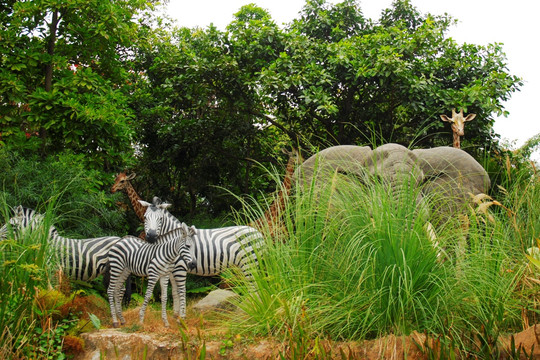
(526, 341)
(114, 344)
(217, 299)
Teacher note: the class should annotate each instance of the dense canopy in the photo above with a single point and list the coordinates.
(197, 106)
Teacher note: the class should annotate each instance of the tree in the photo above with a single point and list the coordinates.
(200, 115)
(62, 76)
(207, 100)
(385, 81)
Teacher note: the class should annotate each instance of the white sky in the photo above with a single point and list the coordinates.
(513, 23)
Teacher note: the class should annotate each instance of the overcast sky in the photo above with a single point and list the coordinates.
(513, 23)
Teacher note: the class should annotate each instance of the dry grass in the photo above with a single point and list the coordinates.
(208, 326)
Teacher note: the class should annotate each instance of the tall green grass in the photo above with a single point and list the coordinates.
(26, 264)
(355, 262)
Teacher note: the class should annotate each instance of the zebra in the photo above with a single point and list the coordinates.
(169, 257)
(214, 249)
(79, 259)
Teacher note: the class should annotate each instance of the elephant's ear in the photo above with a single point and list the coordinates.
(446, 118)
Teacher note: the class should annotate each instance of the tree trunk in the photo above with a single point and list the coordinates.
(53, 28)
(49, 66)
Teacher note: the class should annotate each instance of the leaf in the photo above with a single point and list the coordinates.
(533, 261)
(18, 67)
(95, 321)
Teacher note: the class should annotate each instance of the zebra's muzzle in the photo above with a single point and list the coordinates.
(151, 236)
(192, 265)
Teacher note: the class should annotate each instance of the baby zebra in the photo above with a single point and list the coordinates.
(167, 258)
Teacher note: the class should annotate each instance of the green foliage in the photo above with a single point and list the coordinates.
(83, 112)
(197, 109)
(63, 77)
(85, 209)
(26, 265)
(95, 321)
(47, 343)
(206, 100)
(391, 78)
(356, 263)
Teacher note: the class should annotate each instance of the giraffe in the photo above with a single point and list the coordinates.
(458, 125)
(122, 183)
(268, 219)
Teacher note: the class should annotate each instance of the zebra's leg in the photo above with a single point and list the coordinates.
(174, 290)
(111, 294)
(247, 265)
(120, 290)
(179, 282)
(164, 282)
(126, 299)
(152, 280)
(115, 283)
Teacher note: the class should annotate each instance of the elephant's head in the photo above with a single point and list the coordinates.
(392, 163)
(445, 173)
(451, 175)
(396, 165)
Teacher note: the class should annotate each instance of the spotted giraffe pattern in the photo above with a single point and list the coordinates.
(123, 183)
(270, 217)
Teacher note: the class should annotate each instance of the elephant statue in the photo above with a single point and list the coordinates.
(443, 173)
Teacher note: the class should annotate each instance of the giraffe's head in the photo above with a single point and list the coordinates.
(458, 121)
(153, 218)
(121, 182)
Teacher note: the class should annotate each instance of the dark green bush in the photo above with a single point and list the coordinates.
(83, 205)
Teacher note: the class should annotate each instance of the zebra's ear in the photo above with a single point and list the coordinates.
(163, 205)
(184, 231)
(18, 210)
(145, 203)
(192, 230)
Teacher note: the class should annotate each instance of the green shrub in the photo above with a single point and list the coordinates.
(82, 205)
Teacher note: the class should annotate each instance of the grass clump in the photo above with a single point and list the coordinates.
(355, 261)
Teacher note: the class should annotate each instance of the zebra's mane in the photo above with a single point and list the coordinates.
(173, 219)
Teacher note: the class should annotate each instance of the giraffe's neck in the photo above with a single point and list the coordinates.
(134, 198)
(287, 180)
(273, 212)
(456, 143)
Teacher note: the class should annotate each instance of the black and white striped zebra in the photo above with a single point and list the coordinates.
(80, 259)
(168, 258)
(214, 249)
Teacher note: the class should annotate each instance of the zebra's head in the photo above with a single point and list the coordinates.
(23, 218)
(187, 233)
(153, 218)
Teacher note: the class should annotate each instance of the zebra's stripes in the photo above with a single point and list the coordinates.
(169, 257)
(214, 249)
(80, 259)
